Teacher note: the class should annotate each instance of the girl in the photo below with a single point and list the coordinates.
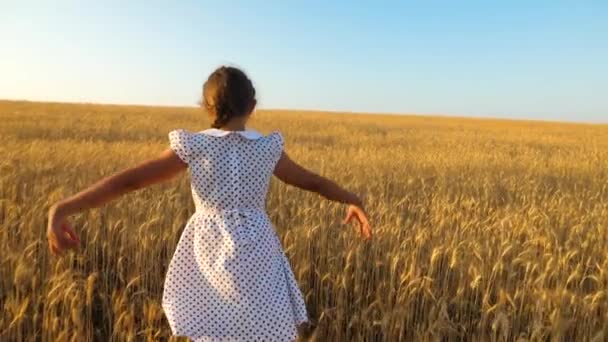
(229, 278)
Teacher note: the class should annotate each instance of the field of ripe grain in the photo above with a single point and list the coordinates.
(484, 229)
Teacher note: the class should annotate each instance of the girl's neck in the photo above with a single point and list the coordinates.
(233, 127)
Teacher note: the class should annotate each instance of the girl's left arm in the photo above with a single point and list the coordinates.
(61, 236)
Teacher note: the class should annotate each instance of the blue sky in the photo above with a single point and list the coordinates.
(515, 59)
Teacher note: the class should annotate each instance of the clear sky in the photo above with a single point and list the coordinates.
(518, 59)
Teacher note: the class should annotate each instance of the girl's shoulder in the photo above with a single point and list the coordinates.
(278, 135)
(180, 143)
(274, 134)
(184, 137)
(179, 136)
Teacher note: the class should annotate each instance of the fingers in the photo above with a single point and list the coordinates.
(349, 217)
(365, 231)
(55, 246)
(364, 226)
(359, 215)
(54, 250)
(61, 238)
(64, 240)
(368, 232)
(66, 237)
(363, 219)
(58, 245)
(71, 234)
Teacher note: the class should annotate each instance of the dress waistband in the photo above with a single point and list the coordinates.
(231, 211)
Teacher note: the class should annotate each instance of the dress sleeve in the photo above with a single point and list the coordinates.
(279, 143)
(179, 142)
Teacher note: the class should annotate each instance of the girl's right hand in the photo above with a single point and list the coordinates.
(60, 234)
(357, 213)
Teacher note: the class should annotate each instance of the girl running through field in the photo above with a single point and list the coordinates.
(229, 279)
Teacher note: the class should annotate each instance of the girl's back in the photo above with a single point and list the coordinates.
(228, 272)
(230, 170)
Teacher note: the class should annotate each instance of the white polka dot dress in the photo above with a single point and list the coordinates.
(229, 279)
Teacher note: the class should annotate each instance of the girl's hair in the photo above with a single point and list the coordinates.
(228, 93)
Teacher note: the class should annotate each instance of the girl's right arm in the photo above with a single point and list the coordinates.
(291, 173)
(60, 234)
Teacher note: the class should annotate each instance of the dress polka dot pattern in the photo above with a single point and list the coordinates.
(229, 279)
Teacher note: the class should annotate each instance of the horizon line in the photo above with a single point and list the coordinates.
(328, 111)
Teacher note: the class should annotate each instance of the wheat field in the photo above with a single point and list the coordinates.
(485, 230)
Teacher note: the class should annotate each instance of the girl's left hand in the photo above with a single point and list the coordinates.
(357, 213)
(60, 234)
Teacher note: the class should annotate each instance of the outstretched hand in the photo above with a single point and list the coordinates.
(357, 213)
(60, 234)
